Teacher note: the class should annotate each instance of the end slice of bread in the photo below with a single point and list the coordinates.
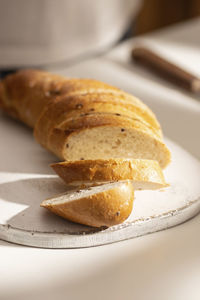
(144, 174)
(98, 206)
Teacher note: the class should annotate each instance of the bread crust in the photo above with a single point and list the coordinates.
(48, 103)
(76, 105)
(102, 170)
(89, 120)
(29, 91)
(104, 209)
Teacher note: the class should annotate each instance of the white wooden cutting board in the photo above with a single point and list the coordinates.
(26, 179)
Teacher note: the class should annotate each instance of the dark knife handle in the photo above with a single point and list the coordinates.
(166, 69)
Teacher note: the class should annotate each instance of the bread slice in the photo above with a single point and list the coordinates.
(46, 124)
(76, 105)
(107, 136)
(97, 206)
(146, 111)
(144, 174)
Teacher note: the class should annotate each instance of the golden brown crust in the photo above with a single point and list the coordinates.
(93, 171)
(29, 91)
(107, 208)
(76, 105)
(147, 112)
(89, 120)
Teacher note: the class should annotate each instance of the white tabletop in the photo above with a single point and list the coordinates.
(164, 265)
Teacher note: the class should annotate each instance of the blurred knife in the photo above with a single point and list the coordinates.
(166, 69)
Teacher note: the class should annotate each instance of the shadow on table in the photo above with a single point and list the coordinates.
(28, 215)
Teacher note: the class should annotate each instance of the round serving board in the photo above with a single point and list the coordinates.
(26, 179)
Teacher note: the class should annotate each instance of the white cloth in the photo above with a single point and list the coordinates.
(34, 32)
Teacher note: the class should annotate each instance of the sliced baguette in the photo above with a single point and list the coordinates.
(144, 174)
(25, 93)
(72, 106)
(107, 136)
(98, 206)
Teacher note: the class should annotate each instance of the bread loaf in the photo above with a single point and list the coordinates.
(45, 102)
(102, 132)
(26, 93)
